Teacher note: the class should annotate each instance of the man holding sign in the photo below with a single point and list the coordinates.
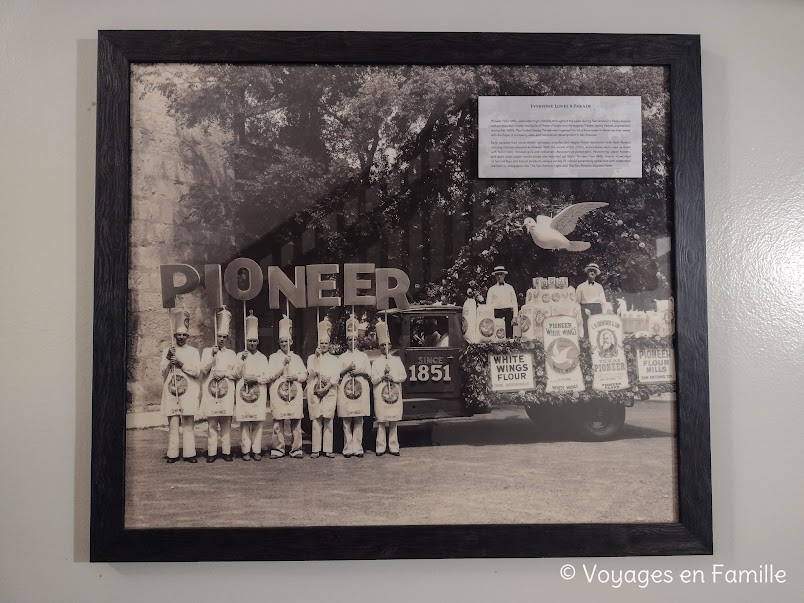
(387, 375)
(219, 365)
(180, 366)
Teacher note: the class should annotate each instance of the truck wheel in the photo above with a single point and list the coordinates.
(602, 421)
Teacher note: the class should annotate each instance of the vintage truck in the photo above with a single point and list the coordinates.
(442, 367)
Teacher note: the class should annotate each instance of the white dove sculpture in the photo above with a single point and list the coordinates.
(549, 233)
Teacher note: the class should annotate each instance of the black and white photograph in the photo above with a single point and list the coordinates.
(399, 295)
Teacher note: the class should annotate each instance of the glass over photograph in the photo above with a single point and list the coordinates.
(400, 295)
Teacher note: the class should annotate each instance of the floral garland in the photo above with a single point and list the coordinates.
(479, 398)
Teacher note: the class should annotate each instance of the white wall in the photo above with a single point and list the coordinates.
(753, 83)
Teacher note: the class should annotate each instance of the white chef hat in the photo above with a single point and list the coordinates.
(324, 330)
(181, 320)
(285, 327)
(352, 326)
(382, 332)
(252, 326)
(224, 320)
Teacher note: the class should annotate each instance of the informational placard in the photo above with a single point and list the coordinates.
(511, 372)
(560, 136)
(562, 355)
(609, 369)
(656, 365)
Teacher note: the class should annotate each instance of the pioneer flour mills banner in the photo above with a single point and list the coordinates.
(608, 357)
(562, 355)
(656, 365)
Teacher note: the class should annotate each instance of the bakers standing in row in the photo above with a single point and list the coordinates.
(220, 368)
(387, 375)
(180, 366)
(251, 399)
(354, 400)
(323, 375)
(286, 374)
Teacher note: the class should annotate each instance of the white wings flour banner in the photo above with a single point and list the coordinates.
(562, 355)
(608, 357)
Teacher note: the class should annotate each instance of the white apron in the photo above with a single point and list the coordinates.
(329, 367)
(218, 395)
(354, 399)
(251, 400)
(287, 396)
(182, 381)
(388, 394)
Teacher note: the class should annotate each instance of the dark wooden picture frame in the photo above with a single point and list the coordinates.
(117, 50)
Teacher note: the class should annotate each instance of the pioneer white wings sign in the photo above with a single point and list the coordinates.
(562, 355)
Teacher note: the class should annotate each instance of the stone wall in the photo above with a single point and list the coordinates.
(172, 167)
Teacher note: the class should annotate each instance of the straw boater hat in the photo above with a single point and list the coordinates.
(382, 333)
(252, 326)
(181, 320)
(500, 270)
(594, 267)
(224, 320)
(324, 330)
(285, 327)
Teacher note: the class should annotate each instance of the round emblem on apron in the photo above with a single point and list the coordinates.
(177, 384)
(486, 327)
(524, 324)
(218, 388)
(287, 390)
(353, 389)
(249, 392)
(390, 393)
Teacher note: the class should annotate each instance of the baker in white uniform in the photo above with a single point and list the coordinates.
(590, 295)
(286, 374)
(219, 369)
(502, 298)
(180, 365)
(323, 375)
(387, 375)
(354, 399)
(251, 397)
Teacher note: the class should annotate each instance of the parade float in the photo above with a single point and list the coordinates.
(554, 362)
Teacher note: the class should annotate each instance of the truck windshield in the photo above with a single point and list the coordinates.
(429, 332)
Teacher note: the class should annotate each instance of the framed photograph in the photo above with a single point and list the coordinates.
(369, 295)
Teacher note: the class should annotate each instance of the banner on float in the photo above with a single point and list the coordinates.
(511, 372)
(562, 355)
(609, 368)
(656, 365)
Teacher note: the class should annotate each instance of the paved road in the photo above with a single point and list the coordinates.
(493, 468)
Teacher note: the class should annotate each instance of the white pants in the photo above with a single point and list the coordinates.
(393, 439)
(251, 437)
(279, 436)
(212, 438)
(188, 436)
(322, 432)
(352, 435)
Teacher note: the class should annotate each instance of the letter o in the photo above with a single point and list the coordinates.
(230, 279)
